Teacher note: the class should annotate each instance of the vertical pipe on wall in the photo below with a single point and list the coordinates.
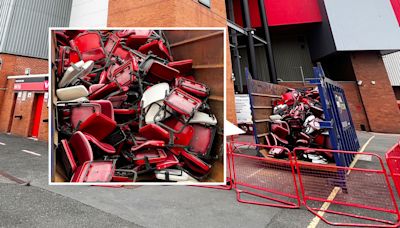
(250, 40)
(236, 56)
(270, 56)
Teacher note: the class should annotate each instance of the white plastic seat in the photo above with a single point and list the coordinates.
(81, 67)
(153, 101)
(175, 175)
(203, 118)
(72, 93)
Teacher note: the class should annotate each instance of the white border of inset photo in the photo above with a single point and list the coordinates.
(51, 157)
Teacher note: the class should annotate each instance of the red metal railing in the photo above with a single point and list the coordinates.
(266, 181)
(348, 196)
(393, 162)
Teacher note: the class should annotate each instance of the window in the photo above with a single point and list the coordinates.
(205, 3)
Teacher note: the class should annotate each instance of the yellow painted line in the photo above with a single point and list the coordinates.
(314, 222)
(256, 172)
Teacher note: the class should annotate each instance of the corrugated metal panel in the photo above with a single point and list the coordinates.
(291, 53)
(392, 64)
(30, 20)
(5, 10)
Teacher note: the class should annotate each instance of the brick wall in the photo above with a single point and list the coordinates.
(356, 106)
(6, 106)
(15, 65)
(165, 13)
(175, 13)
(353, 98)
(379, 99)
(23, 126)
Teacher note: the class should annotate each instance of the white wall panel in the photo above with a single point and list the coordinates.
(392, 64)
(89, 13)
(363, 24)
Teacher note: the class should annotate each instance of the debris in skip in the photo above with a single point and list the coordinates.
(128, 111)
(296, 123)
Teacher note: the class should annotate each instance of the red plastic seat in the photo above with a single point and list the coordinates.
(80, 112)
(182, 102)
(158, 72)
(117, 100)
(103, 78)
(106, 107)
(280, 131)
(66, 57)
(84, 169)
(99, 171)
(98, 125)
(121, 111)
(61, 38)
(89, 46)
(113, 46)
(138, 38)
(103, 91)
(154, 155)
(148, 144)
(75, 152)
(67, 158)
(202, 140)
(183, 136)
(153, 131)
(158, 48)
(197, 167)
(95, 87)
(170, 161)
(195, 88)
(124, 73)
(125, 33)
(81, 147)
(104, 147)
(184, 66)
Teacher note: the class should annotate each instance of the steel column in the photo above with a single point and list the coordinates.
(270, 56)
(236, 56)
(250, 40)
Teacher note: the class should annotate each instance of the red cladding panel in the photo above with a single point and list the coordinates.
(31, 86)
(396, 8)
(282, 12)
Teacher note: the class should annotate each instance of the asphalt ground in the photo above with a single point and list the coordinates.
(41, 205)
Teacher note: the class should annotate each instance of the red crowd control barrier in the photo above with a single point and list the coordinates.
(393, 162)
(358, 195)
(263, 181)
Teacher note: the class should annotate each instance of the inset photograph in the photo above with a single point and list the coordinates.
(137, 105)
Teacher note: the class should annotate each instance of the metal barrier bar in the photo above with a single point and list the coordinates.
(270, 179)
(393, 162)
(361, 194)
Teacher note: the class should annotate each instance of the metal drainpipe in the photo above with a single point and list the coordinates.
(236, 55)
(270, 56)
(250, 41)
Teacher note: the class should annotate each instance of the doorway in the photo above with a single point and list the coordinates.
(37, 112)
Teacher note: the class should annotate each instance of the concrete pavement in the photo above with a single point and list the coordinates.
(147, 206)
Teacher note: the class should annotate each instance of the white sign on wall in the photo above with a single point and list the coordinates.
(24, 93)
(19, 95)
(243, 110)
